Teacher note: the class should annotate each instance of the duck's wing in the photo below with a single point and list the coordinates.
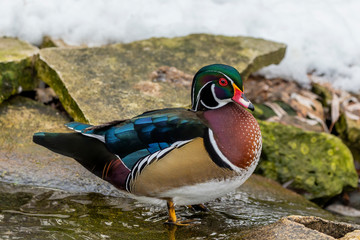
(150, 133)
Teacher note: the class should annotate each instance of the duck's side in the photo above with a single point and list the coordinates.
(208, 167)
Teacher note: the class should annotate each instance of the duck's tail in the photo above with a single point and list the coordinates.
(89, 152)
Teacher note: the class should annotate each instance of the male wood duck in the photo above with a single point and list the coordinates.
(181, 156)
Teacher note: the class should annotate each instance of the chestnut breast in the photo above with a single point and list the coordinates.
(236, 132)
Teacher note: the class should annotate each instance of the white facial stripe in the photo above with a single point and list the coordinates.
(198, 96)
(219, 101)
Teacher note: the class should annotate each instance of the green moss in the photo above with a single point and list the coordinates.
(263, 112)
(304, 148)
(15, 77)
(349, 132)
(44, 72)
(12, 49)
(287, 108)
(16, 67)
(323, 92)
(291, 154)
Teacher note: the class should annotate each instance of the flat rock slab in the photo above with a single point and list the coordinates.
(305, 227)
(102, 84)
(24, 162)
(16, 67)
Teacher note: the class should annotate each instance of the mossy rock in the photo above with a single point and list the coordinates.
(323, 92)
(101, 84)
(16, 67)
(318, 164)
(349, 131)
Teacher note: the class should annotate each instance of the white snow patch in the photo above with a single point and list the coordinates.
(322, 36)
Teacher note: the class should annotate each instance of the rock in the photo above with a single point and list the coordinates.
(355, 235)
(304, 227)
(16, 67)
(323, 90)
(101, 84)
(343, 111)
(24, 162)
(317, 164)
(49, 42)
(349, 130)
(343, 210)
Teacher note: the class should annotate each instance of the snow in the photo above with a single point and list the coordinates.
(323, 37)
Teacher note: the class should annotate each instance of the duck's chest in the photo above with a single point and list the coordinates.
(236, 135)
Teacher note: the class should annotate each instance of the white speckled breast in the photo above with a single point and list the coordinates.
(237, 134)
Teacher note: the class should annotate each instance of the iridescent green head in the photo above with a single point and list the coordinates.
(215, 86)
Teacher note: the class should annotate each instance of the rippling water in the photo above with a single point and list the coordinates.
(39, 213)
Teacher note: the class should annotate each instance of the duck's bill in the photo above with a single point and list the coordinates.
(239, 97)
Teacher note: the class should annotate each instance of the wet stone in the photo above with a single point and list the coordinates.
(71, 215)
(24, 162)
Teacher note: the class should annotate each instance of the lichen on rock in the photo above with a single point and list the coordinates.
(318, 164)
(16, 67)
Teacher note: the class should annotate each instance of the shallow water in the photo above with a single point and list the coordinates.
(40, 213)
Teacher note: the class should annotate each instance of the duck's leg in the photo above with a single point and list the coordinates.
(172, 216)
(199, 208)
(171, 211)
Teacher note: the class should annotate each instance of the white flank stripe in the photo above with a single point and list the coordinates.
(220, 154)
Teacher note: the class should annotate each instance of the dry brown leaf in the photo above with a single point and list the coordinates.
(335, 110)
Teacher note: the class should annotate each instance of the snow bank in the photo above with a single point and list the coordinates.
(322, 36)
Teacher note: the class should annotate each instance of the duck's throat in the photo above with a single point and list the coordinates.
(234, 133)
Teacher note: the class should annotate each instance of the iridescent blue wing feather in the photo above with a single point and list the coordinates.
(145, 134)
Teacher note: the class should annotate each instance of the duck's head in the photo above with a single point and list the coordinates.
(216, 85)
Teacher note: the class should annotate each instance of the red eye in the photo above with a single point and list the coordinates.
(223, 82)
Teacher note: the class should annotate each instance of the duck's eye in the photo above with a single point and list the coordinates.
(223, 82)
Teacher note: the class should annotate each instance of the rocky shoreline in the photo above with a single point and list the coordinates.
(311, 135)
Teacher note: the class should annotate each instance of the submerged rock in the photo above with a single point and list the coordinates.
(101, 84)
(318, 164)
(16, 67)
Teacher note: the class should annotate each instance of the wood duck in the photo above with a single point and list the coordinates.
(174, 155)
